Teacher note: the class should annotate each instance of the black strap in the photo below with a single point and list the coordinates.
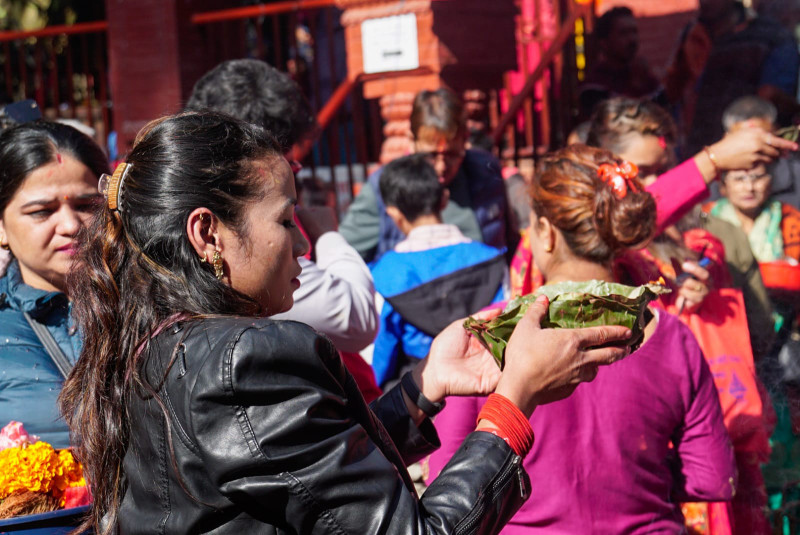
(427, 406)
(50, 345)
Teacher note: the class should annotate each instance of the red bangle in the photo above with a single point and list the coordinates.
(511, 424)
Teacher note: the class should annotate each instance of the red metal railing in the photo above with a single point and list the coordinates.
(527, 116)
(533, 112)
(63, 68)
(304, 39)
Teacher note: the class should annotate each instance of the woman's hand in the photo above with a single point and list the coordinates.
(746, 147)
(694, 289)
(457, 365)
(546, 365)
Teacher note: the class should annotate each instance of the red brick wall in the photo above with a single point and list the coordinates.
(660, 25)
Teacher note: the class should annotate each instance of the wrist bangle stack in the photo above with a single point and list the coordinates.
(712, 159)
(511, 424)
(427, 406)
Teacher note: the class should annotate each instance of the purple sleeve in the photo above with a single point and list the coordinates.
(676, 192)
(453, 424)
(706, 466)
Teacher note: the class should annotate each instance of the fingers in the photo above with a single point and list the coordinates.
(604, 356)
(779, 143)
(680, 304)
(698, 272)
(486, 314)
(690, 297)
(597, 336)
(693, 288)
(535, 313)
(768, 152)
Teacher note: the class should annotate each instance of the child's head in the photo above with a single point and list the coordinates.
(411, 190)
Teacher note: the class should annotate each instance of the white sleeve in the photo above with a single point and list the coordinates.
(336, 295)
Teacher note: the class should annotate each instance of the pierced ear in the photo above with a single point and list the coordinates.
(547, 233)
(201, 228)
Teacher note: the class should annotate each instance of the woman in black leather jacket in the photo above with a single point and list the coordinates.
(192, 413)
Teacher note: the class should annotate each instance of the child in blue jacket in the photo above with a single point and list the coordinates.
(433, 277)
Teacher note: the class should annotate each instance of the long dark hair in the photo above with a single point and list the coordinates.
(27, 147)
(138, 269)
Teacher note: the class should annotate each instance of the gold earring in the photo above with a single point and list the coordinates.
(203, 259)
(548, 249)
(216, 261)
(5, 246)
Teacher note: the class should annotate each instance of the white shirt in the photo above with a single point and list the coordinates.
(336, 295)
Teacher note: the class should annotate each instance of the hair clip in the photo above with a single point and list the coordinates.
(620, 177)
(111, 186)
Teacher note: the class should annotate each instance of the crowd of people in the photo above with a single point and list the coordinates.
(224, 359)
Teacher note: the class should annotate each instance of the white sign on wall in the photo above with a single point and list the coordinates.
(390, 44)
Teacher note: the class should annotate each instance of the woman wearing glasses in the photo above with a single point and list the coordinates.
(772, 227)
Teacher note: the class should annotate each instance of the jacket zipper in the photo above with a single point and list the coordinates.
(499, 484)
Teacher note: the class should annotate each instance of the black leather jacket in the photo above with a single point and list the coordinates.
(269, 434)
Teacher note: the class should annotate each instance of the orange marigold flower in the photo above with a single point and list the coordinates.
(38, 468)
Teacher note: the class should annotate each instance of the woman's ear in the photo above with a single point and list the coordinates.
(546, 233)
(203, 233)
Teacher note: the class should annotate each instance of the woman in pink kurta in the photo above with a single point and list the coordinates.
(626, 449)
(623, 451)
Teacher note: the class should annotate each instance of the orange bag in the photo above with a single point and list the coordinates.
(720, 326)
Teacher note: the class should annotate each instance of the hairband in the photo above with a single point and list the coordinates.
(111, 186)
(621, 177)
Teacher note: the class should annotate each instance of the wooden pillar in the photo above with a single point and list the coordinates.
(465, 45)
(155, 55)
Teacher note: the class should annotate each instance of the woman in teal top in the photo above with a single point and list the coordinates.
(48, 191)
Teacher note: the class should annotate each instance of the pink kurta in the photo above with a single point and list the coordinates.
(621, 453)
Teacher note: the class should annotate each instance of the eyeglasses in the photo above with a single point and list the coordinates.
(750, 178)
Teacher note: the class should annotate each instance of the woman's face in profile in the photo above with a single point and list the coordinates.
(263, 262)
(42, 219)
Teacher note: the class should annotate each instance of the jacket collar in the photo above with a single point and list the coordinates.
(20, 296)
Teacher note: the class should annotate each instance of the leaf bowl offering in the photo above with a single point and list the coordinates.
(572, 305)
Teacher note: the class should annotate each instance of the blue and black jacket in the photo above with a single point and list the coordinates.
(424, 292)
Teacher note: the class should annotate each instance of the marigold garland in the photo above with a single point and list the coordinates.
(38, 468)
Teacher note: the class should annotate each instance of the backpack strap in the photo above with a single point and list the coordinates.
(50, 345)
